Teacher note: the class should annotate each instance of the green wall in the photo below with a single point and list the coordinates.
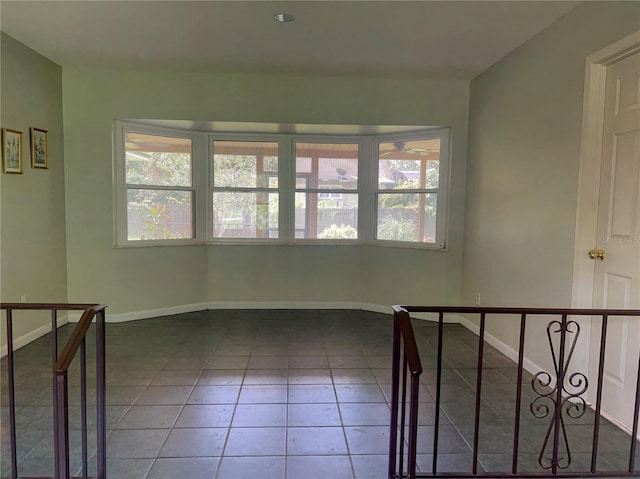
(32, 239)
(522, 171)
(139, 279)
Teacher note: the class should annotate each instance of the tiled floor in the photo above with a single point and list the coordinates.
(280, 394)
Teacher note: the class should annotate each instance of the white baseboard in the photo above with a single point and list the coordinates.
(149, 313)
(501, 346)
(188, 308)
(32, 336)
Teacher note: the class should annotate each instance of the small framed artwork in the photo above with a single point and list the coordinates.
(11, 151)
(39, 148)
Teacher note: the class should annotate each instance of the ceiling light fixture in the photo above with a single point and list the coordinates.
(284, 17)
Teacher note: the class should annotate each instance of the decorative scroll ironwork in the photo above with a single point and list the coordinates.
(571, 402)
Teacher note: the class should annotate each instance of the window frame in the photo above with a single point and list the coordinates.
(442, 208)
(203, 187)
(281, 141)
(121, 186)
(324, 140)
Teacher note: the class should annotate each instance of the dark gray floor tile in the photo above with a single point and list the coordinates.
(319, 467)
(194, 442)
(214, 395)
(121, 395)
(448, 463)
(370, 414)
(260, 415)
(308, 362)
(256, 377)
(371, 466)
(450, 441)
(128, 468)
(302, 415)
(181, 377)
(221, 377)
(274, 393)
(207, 415)
(149, 417)
(310, 376)
(228, 362)
(232, 350)
(353, 376)
(185, 363)
(315, 441)
(311, 394)
(359, 393)
(266, 441)
(268, 362)
(350, 362)
(368, 439)
(252, 467)
(160, 395)
(135, 443)
(192, 468)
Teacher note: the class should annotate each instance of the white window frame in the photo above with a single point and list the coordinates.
(202, 185)
(283, 178)
(443, 134)
(121, 186)
(324, 140)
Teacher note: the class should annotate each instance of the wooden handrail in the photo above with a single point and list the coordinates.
(77, 336)
(409, 340)
(51, 306)
(528, 311)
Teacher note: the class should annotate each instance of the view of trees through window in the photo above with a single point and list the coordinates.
(245, 199)
(326, 200)
(408, 183)
(158, 174)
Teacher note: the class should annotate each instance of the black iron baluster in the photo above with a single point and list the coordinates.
(403, 417)
(596, 426)
(101, 408)
(61, 445)
(560, 370)
(395, 384)
(12, 396)
(636, 419)
(413, 424)
(436, 425)
(83, 405)
(476, 423)
(516, 428)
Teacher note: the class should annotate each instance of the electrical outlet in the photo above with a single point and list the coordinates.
(23, 298)
(478, 299)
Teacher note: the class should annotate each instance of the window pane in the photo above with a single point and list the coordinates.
(331, 218)
(331, 166)
(245, 164)
(407, 217)
(157, 160)
(159, 214)
(409, 164)
(245, 215)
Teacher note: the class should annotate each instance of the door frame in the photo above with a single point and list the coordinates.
(589, 180)
(590, 161)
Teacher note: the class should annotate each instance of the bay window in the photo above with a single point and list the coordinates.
(175, 186)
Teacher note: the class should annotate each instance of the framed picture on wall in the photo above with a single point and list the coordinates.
(39, 148)
(11, 151)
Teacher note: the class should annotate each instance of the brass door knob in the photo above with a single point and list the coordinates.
(596, 254)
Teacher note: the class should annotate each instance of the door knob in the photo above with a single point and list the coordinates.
(596, 254)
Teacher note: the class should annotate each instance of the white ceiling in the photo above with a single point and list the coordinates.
(453, 39)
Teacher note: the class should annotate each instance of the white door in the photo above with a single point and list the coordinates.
(617, 275)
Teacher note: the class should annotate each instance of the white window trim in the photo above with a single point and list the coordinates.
(202, 146)
(442, 191)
